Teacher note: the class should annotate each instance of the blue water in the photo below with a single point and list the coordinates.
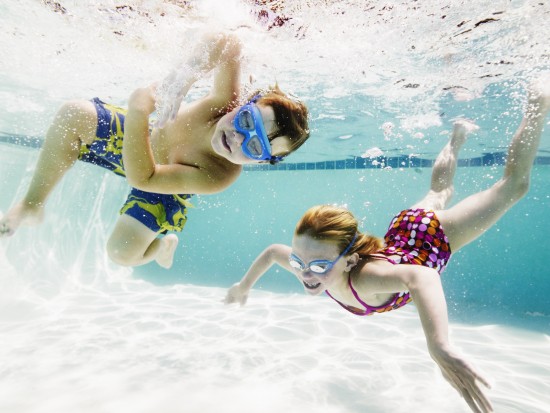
(225, 232)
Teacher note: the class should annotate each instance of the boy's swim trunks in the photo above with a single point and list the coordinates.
(158, 212)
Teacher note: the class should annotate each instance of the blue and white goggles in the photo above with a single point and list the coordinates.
(318, 266)
(249, 123)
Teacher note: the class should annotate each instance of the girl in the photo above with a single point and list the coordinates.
(367, 276)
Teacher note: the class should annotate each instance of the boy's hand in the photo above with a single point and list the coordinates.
(170, 94)
(214, 50)
(143, 99)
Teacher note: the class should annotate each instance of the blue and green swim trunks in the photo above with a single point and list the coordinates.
(158, 212)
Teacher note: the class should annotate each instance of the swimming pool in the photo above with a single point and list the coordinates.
(82, 334)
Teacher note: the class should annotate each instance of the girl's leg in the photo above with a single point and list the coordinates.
(74, 124)
(443, 172)
(132, 244)
(471, 217)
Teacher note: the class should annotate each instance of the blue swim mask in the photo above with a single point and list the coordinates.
(249, 123)
(318, 266)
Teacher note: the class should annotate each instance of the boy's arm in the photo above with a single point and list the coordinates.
(274, 254)
(227, 79)
(142, 172)
(215, 50)
(141, 169)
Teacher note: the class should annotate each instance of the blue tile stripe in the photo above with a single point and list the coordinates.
(380, 162)
(21, 140)
(395, 162)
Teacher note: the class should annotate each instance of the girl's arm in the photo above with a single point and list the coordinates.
(274, 254)
(425, 287)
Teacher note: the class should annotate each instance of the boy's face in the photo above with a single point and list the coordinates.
(227, 142)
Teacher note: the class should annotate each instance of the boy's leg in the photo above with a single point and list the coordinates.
(443, 172)
(132, 244)
(74, 124)
(471, 217)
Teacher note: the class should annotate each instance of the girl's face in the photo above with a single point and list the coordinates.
(227, 142)
(307, 250)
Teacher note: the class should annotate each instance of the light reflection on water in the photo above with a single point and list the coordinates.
(357, 64)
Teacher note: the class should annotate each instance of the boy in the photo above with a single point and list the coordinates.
(201, 150)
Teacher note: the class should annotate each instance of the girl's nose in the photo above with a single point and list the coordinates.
(307, 274)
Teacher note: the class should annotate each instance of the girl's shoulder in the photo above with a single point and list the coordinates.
(378, 275)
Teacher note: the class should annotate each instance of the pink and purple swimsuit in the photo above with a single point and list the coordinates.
(416, 237)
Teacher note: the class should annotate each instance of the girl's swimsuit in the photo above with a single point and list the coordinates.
(415, 236)
(158, 212)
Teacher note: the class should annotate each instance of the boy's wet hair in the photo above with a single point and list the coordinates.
(291, 116)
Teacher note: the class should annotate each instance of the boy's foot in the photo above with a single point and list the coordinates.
(165, 257)
(20, 214)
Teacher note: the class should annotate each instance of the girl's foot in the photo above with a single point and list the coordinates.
(461, 128)
(539, 96)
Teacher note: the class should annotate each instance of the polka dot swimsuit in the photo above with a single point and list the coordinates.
(415, 236)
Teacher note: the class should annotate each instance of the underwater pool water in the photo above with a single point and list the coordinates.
(87, 335)
(80, 333)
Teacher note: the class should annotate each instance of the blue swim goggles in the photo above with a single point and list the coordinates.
(318, 266)
(248, 122)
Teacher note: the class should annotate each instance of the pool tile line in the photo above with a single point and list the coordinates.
(395, 162)
(21, 140)
(357, 162)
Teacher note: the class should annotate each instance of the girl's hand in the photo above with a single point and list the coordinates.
(236, 294)
(464, 378)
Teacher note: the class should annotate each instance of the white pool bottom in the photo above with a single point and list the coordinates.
(134, 347)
